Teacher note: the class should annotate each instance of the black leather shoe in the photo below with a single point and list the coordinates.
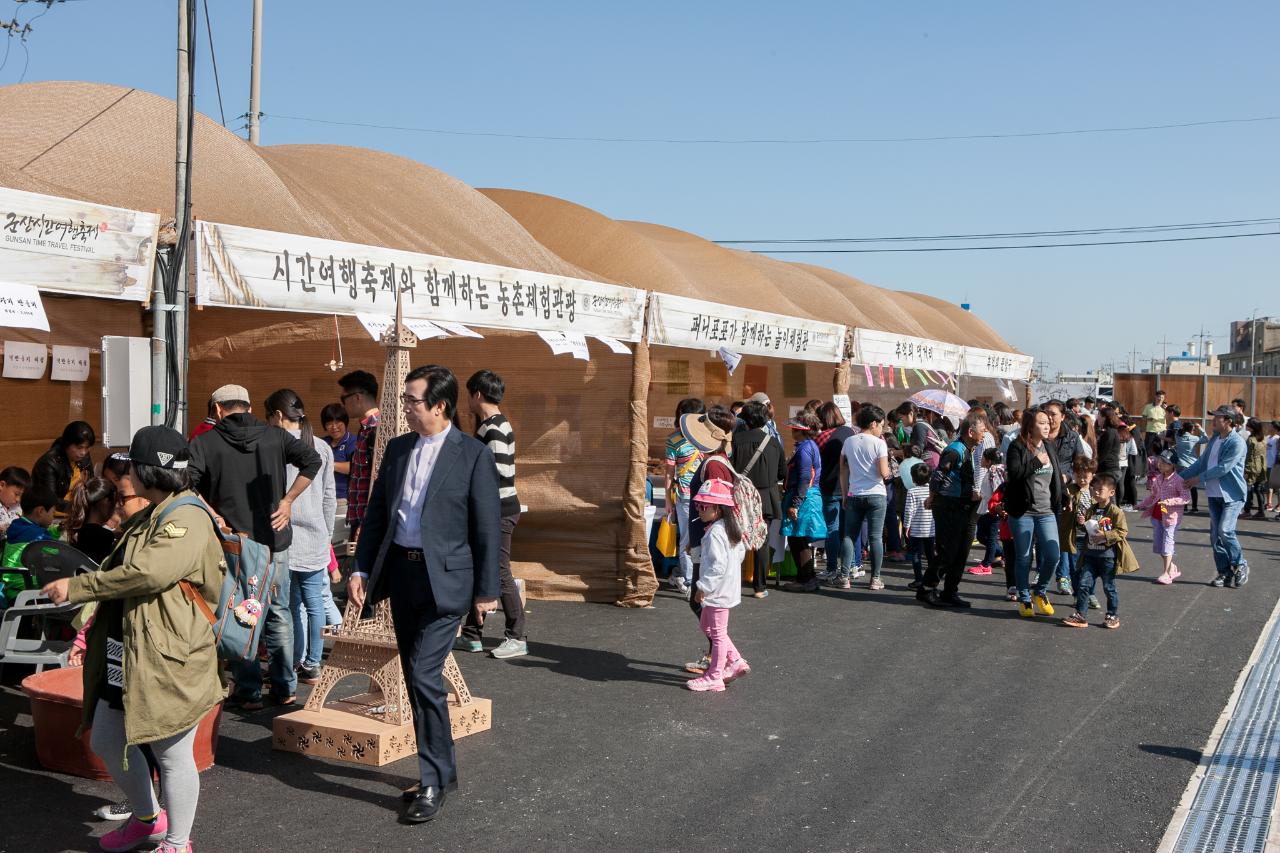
(925, 593)
(410, 794)
(426, 806)
(951, 599)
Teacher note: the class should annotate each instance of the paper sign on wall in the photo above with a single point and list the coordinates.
(664, 423)
(70, 364)
(730, 358)
(24, 360)
(571, 343)
(613, 344)
(21, 308)
(377, 325)
(843, 404)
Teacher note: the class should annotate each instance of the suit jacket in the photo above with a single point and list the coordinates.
(768, 471)
(461, 522)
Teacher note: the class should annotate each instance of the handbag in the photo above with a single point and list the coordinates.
(668, 538)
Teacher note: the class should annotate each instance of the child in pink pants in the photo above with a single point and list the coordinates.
(1166, 497)
(719, 586)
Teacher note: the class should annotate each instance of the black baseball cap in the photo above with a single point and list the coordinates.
(160, 446)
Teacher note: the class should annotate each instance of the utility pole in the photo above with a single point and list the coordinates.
(1202, 358)
(255, 74)
(1165, 344)
(1133, 360)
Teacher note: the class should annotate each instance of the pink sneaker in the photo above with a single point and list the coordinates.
(736, 670)
(1164, 578)
(1174, 573)
(169, 848)
(698, 685)
(134, 834)
(981, 569)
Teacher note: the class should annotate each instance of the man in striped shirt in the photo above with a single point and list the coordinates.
(485, 390)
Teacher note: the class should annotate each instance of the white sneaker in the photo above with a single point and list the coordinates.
(857, 573)
(114, 811)
(876, 583)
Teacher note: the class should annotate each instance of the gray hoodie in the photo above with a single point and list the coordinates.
(313, 513)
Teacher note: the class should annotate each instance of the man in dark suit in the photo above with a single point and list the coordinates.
(430, 543)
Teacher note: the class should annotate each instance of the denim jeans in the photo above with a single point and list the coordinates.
(893, 538)
(278, 635)
(1096, 565)
(839, 549)
(989, 536)
(1223, 515)
(1066, 564)
(682, 523)
(920, 549)
(1043, 531)
(306, 604)
(870, 508)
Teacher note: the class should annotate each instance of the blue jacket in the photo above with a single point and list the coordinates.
(1229, 472)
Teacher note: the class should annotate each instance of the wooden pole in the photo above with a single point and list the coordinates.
(636, 577)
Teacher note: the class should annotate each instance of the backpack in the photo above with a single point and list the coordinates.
(747, 511)
(248, 587)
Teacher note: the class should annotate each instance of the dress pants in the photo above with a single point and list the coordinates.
(425, 637)
(951, 542)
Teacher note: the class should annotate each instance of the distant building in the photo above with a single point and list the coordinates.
(1255, 349)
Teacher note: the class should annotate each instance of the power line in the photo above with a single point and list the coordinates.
(1127, 229)
(814, 141)
(213, 56)
(1025, 246)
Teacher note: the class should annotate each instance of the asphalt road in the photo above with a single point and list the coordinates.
(868, 723)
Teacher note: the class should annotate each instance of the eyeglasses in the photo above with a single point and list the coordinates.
(411, 401)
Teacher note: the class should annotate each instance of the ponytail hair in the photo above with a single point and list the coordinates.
(731, 527)
(287, 402)
(88, 494)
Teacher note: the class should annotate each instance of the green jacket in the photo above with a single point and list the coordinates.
(170, 658)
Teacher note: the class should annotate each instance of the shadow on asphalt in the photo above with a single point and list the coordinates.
(1180, 752)
(597, 665)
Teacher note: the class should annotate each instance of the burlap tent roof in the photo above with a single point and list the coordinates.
(115, 146)
(656, 257)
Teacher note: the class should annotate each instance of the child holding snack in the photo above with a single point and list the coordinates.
(1106, 553)
(1166, 497)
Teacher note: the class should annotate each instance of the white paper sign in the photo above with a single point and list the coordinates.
(70, 246)
(24, 360)
(846, 408)
(578, 345)
(695, 324)
(886, 348)
(613, 344)
(557, 341)
(459, 330)
(667, 422)
(996, 364)
(730, 359)
(377, 325)
(70, 364)
(251, 268)
(21, 308)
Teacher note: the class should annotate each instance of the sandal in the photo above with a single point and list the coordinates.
(1075, 620)
(1111, 621)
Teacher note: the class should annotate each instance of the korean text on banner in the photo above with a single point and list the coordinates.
(872, 347)
(680, 322)
(995, 364)
(69, 246)
(21, 308)
(251, 268)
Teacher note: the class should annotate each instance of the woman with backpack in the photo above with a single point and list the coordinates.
(759, 458)
(151, 664)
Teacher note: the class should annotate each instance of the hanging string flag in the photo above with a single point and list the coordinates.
(903, 371)
(924, 380)
(891, 372)
(871, 382)
(881, 366)
(730, 359)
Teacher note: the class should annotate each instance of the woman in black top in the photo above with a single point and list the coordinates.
(830, 443)
(769, 470)
(1033, 496)
(66, 463)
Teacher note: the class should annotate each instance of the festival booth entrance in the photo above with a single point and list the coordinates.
(562, 345)
(71, 273)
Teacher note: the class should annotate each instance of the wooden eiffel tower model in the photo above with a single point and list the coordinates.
(375, 727)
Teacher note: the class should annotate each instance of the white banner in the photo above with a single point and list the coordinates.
(695, 324)
(68, 246)
(996, 364)
(886, 348)
(250, 268)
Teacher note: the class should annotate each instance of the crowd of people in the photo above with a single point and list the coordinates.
(150, 662)
(1044, 491)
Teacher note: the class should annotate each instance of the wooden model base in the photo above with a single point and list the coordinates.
(347, 731)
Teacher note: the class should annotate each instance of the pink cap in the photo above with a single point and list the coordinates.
(716, 492)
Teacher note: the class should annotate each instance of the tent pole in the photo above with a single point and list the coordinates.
(639, 584)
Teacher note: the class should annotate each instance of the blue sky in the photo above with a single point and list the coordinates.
(752, 70)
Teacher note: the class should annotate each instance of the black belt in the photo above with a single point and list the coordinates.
(413, 555)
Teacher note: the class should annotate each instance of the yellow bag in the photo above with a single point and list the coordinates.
(668, 539)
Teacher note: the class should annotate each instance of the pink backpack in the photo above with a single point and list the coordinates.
(747, 510)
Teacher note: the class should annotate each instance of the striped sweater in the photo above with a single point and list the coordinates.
(496, 433)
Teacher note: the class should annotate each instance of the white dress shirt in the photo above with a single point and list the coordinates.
(422, 462)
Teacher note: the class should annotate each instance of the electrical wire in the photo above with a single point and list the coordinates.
(1127, 229)
(1025, 246)
(816, 141)
(213, 57)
